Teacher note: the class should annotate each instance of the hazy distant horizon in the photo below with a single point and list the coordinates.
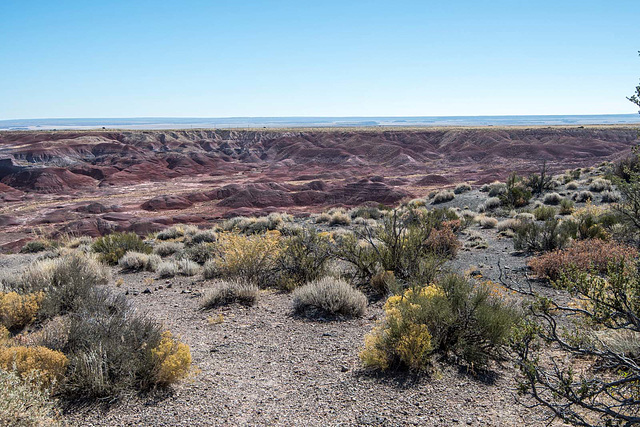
(150, 123)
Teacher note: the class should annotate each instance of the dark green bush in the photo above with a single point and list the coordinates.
(113, 246)
(533, 237)
(35, 246)
(303, 258)
(544, 213)
(516, 195)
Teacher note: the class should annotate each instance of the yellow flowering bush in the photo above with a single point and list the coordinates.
(17, 311)
(173, 359)
(450, 317)
(252, 258)
(41, 364)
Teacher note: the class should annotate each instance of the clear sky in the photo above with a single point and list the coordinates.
(135, 58)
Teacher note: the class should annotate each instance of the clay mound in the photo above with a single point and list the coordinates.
(433, 180)
(256, 197)
(166, 202)
(360, 192)
(97, 208)
(9, 194)
(48, 180)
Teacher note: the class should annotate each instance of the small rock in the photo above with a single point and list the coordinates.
(146, 291)
(344, 369)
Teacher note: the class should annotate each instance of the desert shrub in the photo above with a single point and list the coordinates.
(599, 185)
(167, 269)
(497, 189)
(168, 248)
(111, 349)
(573, 185)
(486, 221)
(274, 221)
(566, 207)
(539, 183)
(340, 218)
(533, 237)
(329, 295)
(170, 233)
(400, 243)
(452, 318)
(200, 253)
(442, 241)
(590, 222)
(76, 242)
(544, 213)
(203, 236)
(610, 197)
(323, 218)
(490, 204)
(516, 194)
(172, 359)
(552, 199)
(252, 258)
(584, 255)
(41, 365)
(22, 404)
(186, 267)
(35, 246)
(136, 261)
(113, 246)
(583, 196)
(443, 196)
(303, 258)
(18, 311)
(462, 188)
(366, 212)
(224, 292)
(508, 224)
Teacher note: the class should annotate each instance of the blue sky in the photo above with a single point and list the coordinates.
(316, 58)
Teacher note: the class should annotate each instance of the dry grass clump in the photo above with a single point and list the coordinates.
(583, 255)
(136, 261)
(224, 292)
(339, 217)
(599, 185)
(177, 231)
(443, 197)
(167, 269)
(330, 296)
(203, 236)
(508, 224)
(490, 204)
(566, 207)
(497, 189)
(583, 196)
(610, 197)
(252, 225)
(323, 218)
(572, 185)
(168, 248)
(486, 221)
(552, 199)
(186, 267)
(22, 404)
(462, 188)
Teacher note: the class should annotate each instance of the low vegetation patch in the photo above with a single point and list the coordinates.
(224, 292)
(329, 296)
(583, 255)
(113, 246)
